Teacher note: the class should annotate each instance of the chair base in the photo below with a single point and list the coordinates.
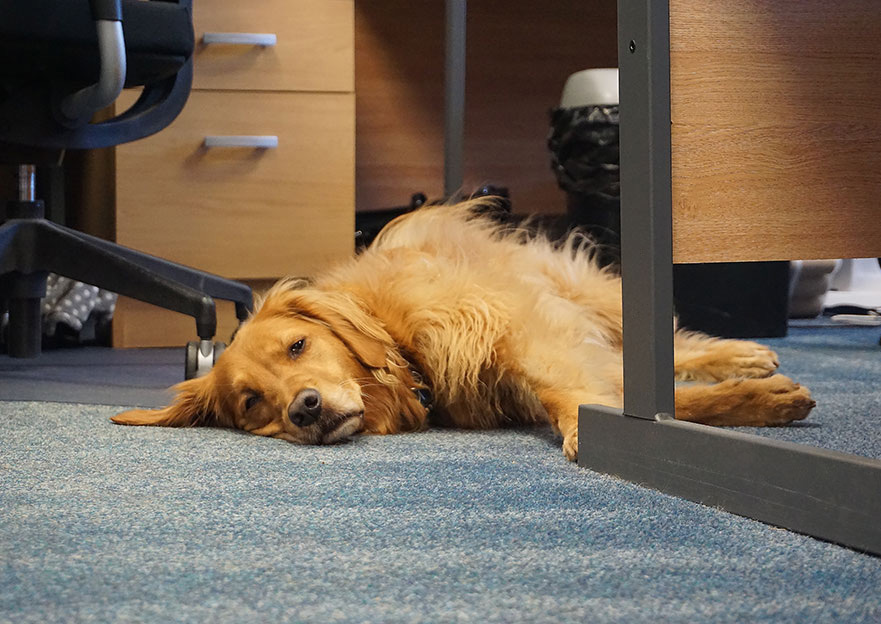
(31, 247)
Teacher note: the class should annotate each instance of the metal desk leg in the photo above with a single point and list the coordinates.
(826, 494)
(454, 98)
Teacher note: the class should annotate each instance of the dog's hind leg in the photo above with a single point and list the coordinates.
(762, 402)
(564, 374)
(561, 405)
(562, 409)
(768, 401)
(699, 357)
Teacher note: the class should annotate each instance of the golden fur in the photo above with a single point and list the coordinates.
(502, 326)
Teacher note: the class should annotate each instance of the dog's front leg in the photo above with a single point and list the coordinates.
(563, 376)
(764, 402)
(562, 412)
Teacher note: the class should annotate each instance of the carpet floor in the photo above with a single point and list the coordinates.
(101, 523)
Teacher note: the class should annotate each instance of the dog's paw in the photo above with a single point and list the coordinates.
(764, 402)
(787, 401)
(730, 359)
(570, 446)
(752, 360)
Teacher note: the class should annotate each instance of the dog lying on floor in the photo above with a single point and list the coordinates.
(450, 319)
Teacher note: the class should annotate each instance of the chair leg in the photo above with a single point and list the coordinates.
(32, 247)
(25, 333)
(212, 285)
(62, 251)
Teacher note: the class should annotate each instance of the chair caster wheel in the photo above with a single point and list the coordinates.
(201, 357)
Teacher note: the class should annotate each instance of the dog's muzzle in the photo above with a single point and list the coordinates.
(341, 426)
(308, 408)
(305, 408)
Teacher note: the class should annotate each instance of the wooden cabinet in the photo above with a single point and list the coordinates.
(254, 214)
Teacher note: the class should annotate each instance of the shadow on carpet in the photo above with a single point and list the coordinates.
(94, 376)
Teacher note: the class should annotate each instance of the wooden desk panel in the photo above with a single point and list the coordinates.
(244, 213)
(776, 129)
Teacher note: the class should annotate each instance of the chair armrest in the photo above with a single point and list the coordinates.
(81, 106)
(33, 109)
(158, 105)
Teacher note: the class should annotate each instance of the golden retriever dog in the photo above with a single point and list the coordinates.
(450, 319)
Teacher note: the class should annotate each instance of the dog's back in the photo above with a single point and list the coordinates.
(516, 261)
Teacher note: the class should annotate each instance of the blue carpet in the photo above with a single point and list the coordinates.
(102, 523)
(842, 367)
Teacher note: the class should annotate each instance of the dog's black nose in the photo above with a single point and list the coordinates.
(305, 408)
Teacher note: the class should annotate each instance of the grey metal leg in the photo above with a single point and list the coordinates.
(454, 98)
(646, 200)
(833, 496)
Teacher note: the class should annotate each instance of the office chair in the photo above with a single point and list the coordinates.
(60, 62)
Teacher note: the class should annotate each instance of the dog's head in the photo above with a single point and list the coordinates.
(304, 368)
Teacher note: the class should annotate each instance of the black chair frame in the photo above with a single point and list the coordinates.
(31, 246)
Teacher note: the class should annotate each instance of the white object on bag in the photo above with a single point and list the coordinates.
(591, 87)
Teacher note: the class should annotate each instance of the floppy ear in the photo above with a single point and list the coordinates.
(369, 351)
(193, 406)
(359, 330)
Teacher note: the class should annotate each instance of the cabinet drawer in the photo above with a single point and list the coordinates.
(314, 50)
(242, 212)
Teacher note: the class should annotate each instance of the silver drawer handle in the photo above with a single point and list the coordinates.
(233, 38)
(257, 142)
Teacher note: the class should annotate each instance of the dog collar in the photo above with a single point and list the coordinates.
(421, 391)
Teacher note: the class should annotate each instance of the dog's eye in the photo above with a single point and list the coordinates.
(297, 348)
(252, 400)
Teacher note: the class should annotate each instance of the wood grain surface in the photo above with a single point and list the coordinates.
(776, 133)
(244, 212)
(313, 50)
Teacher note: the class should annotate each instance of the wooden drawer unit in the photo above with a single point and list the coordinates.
(314, 49)
(237, 211)
(243, 212)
